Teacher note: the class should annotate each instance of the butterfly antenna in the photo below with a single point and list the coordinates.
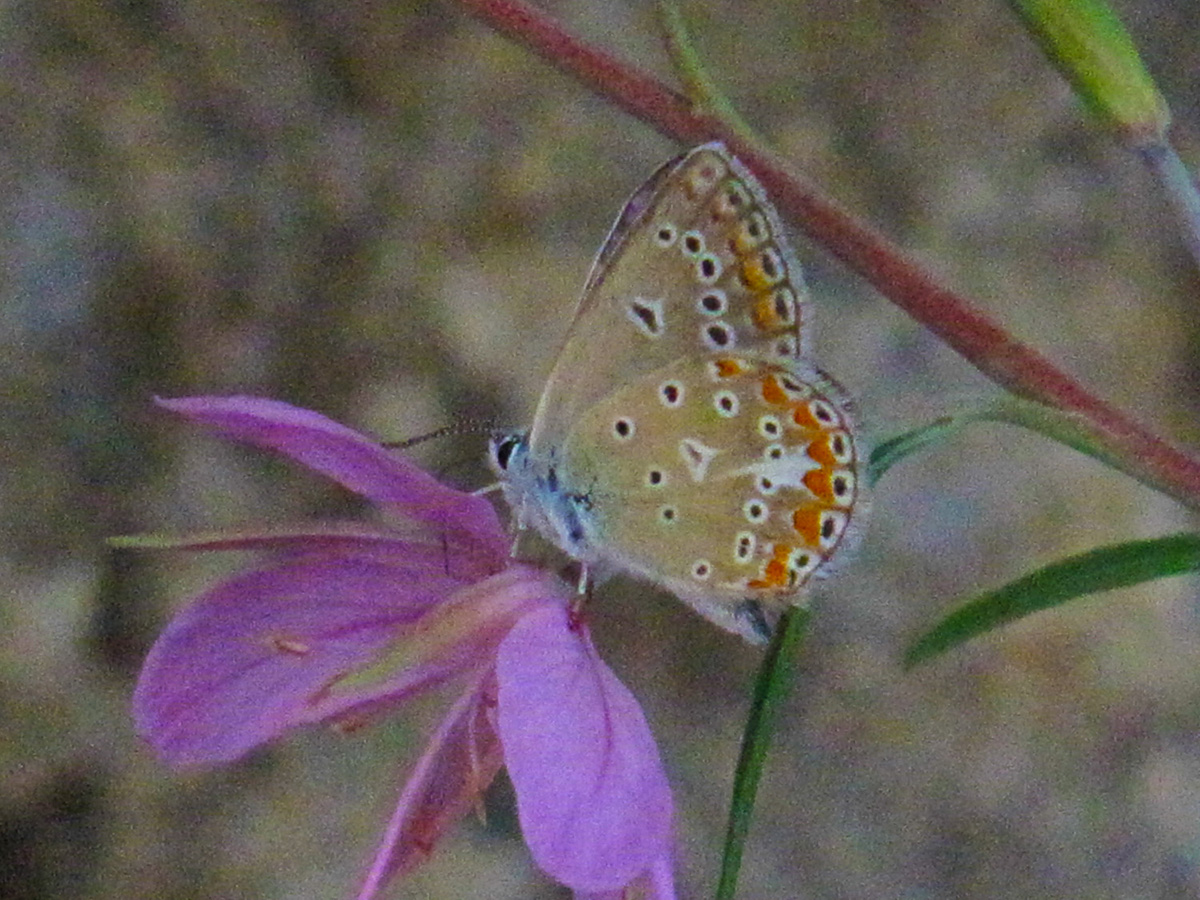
(467, 426)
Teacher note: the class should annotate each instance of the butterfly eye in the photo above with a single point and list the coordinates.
(503, 449)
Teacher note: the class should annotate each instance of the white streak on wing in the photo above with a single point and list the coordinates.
(787, 471)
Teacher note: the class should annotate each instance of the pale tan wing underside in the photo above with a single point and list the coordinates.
(697, 262)
(723, 479)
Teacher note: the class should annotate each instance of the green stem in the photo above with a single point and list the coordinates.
(770, 690)
(700, 88)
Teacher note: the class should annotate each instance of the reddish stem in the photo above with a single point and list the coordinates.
(962, 325)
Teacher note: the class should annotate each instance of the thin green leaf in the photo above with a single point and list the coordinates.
(1087, 43)
(1069, 429)
(774, 681)
(701, 89)
(1102, 569)
(887, 453)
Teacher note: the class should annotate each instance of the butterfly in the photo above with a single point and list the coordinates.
(682, 436)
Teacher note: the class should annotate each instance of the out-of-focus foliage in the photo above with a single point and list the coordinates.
(1086, 41)
(385, 212)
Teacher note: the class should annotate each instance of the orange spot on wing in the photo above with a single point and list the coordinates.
(766, 317)
(775, 573)
(803, 417)
(819, 482)
(727, 368)
(773, 392)
(756, 279)
(819, 451)
(750, 234)
(807, 523)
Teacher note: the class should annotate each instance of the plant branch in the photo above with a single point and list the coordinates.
(959, 323)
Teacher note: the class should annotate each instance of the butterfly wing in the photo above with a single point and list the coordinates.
(730, 480)
(696, 262)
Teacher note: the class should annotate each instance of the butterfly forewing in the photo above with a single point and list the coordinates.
(696, 263)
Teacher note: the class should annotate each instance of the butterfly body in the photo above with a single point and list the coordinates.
(682, 436)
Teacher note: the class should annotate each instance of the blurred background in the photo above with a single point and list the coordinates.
(384, 212)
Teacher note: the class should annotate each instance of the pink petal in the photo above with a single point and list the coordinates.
(454, 560)
(245, 660)
(656, 884)
(459, 762)
(592, 796)
(349, 458)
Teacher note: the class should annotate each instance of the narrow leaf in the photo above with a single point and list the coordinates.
(1102, 569)
(1087, 43)
(887, 453)
(770, 690)
(1069, 429)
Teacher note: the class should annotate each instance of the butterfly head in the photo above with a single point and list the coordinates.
(536, 492)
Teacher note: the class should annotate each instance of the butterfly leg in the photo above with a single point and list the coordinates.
(583, 593)
(751, 613)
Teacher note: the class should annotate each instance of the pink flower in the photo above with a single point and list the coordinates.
(345, 620)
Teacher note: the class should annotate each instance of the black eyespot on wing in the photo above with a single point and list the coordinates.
(770, 265)
(718, 335)
(648, 316)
